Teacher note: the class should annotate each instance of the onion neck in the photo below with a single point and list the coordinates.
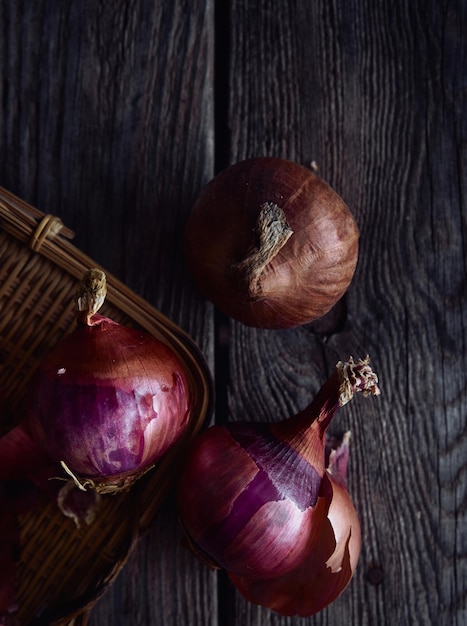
(272, 233)
(306, 431)
(90, 295)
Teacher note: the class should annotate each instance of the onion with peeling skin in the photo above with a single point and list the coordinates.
(271, 244)
(109, 400)
(267, 503)
(329, 565)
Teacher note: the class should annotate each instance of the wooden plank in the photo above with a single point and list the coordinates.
(107, 121)
(375, 94)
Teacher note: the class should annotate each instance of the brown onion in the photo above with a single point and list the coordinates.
(271, 244)
(109, 400)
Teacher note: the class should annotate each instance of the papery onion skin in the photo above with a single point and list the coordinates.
(238, 509)
(305, 277)
(258, 500)
(108, 402)
(327, 570)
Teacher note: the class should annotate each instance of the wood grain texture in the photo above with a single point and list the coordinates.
(99, 129)
(107, 121)
(371, 92)
(113, 118)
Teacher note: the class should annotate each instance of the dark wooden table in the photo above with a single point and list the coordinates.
(114, 115)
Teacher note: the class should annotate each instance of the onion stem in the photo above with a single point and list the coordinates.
(272, 232)
(356, 376)
(91, 294)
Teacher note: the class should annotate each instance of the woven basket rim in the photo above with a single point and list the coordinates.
(46, 235)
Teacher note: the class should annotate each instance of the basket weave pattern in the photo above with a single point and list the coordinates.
(63, 569)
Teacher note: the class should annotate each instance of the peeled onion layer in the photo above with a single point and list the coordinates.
(325, 572)
(109, 401)
(266, 512)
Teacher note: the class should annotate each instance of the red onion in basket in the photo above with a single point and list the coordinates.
(109, 400)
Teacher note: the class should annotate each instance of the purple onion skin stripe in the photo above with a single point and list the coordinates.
(302, 486)
(277, 459)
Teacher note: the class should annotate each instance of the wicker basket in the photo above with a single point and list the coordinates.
(63, 570)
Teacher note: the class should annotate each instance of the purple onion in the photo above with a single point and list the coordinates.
(266, 502)
(109, 400)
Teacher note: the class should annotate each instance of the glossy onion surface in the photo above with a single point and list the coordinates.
(305, 277)
(325, 572)
(253, 506)
(109, 400)
(268, 502)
